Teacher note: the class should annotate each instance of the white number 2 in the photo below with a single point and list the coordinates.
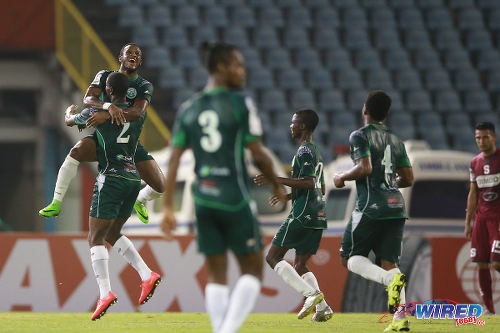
(209, 122)
(120, 138)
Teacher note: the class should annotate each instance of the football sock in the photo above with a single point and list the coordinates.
(241, 303)
(127, 250)
(67, 172)
(313, 282)
(293, 279)
(364, 267)
(216, 299)
(100, 259)
(485, 287)
(147, 194)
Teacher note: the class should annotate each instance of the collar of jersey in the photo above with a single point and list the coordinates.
(377, 125)
(133, 78)
(215, 90)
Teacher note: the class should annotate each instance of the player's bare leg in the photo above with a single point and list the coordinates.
(83, 151)
(125, 247)
(151, 173)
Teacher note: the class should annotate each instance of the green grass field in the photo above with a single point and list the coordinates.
(199, 322)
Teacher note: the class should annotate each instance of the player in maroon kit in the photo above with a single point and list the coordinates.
(483, 207)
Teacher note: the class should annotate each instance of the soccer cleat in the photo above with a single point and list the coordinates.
(310, 303)
(141, 211)
(103, 304)
(323, 315)
(51, 210)
(394, 287)
(402, 325)
(148, 287)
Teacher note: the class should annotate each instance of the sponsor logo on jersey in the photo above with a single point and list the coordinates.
(207, 170)
(490, 196)
(124, 158)
(131, 93)
(488, 180)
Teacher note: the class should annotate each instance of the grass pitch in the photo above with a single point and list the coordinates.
(29, 322)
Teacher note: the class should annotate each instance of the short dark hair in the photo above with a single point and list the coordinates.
(378, 104)
(119, 82)
(485, 125)
(309, 118)
(213, 53)
(129, 44)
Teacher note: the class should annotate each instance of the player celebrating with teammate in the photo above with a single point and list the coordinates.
(483, 207)
(303, 228)
(139, 94)
(218, 124)
(377, 223)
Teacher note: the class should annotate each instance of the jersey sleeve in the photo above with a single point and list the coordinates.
(179, 132)
(252, 124)
(99, 81)
(306, 161)
(403, 161)
(472, 174)
(145, 91)
(359, 145)
(82, 117)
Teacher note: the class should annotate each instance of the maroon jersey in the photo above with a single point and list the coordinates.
(485, 171)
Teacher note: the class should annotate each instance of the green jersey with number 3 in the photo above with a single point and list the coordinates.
(217, 124)
(308, 206)
(378, 193)
(116, 147)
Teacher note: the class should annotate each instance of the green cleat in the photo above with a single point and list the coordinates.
(51, 210)
(141, 211)
(402, 325)
(397, 283)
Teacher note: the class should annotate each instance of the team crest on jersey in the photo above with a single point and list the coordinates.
(131, 93)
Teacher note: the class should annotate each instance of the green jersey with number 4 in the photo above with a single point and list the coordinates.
(217, 124)
(308, 206)
(378, 193)
(116, 147)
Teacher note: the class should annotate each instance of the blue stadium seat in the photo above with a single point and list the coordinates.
(326, 38)
(397, 59)
(402, 125)
(447, 101)
(397, 101)
(145, 35)
(382, 18)
(337, 59)
(278, 58)
(467, 79)
(347, 120)
(266, 38)
(461, 4)
(356, 99)
(243, 17)
(307, 59)
(290, 79)
(259, 3)
(494, 19)
(180, 96)
(158, 57)
(216, 17)
(296, 38)
(302, 99)
(417, 39)
(407, 79)
(252, 58)
(349, 79)
(232, 3)
(318, 3)
(488, 4)
(203, 3)
(447, 39)
(326, 17)
(354, 17)
(288, 3)
(172, 77)
(273, 99)
(437, 79)
(300, 17)
(367, 59)
(344, 3)
(399, 4)
(356, 40)
(431, 130)
(331, 101)
(271, 17)
(373, 4)
(174, 3)
(319, 79)
(204, 34)
(410, 18)
(419, 101)
(477, 101)
(174, 36)
(387, 39)
(197, 77)
(428, 4)
(493, 81)
(130, 16)
(188, 57)
(478, 39)
(260, 78)
(491, 117)
(456, 59)
(236, 35)
(457, 121)
(462, 141)
(470, 18)
(378, 78)
(439, 19)
(427, 59)
(146, 2)
(187, 16)
(159, 16)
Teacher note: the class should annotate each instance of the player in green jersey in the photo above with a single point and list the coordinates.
(381, 168)
(217, 124)
(115, 192)
(303, 228)
(139, 95)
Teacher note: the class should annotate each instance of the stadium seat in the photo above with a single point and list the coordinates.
(386, 39)
(252, 58)
(464, 141)
(460, 4)
(187, 16)
(266, 38)
(356, 99)
(337, 59)
(397, 59)
(410, 19)
(326, 38)
(307, 59)
(288, 3)
(378, 78)
(157, 57)
(278, 58)
(290, 79)
(180, 96)
(488, 59)
(467, 79)
(260, 78)
(382, 18)
(197, 77)
(146, 2)
(243, 17)
(174, 37)
(494, 19)
(417, 39)
(373, 4)
(331, 101)
(270, 16)
(232, 3)
(456, 59)
(203, 3)
(236, 35)
(428, 4)
(174, 3)
(419, 101)
(159, 16)
(318, 3)
(438, 19)
(437, 79)
(349, 79)
(457, 121)
(356, 40)
(145, 35)
(447, 101)
(347, 120)
(493, 81)
(259, 4)
(407, 79)
(488, 4)
(216, 17)
(188, 57)
(326, 17)
(447, 39)
(469, 18)
(477, 39)
(367, 59)
(130, 16)
(431, 130)
(172, 77)
(354, 17)
(273, 100)
(402, 125)
(491, 117)
(344, 3)
(302, 99)
(400, 4)
(300, 17)
(427, 59)
(477, 101)
(204, 34)
(296, 38)
(319, 79)
(397, 101)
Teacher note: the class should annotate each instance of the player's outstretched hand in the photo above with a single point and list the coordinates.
(260, 180)
(168, 225)
(97, 118)
(468, 231)
(117, 115)
(274, 200)
(70, 110)
(338, 181)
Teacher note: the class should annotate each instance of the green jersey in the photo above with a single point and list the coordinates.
(138, 87)
(308, 206)
(116, 147)
(217, 124)
(378, 193)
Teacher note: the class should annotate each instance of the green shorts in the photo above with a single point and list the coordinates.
(363, 235)
(141, 154)
(292, 235)
(113, 197)
(219, 230)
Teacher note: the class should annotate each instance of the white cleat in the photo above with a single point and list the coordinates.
(323, 315)
(310, 303)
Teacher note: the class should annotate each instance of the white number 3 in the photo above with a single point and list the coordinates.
(209, 122)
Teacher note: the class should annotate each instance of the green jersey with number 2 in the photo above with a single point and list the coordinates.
(378, 193)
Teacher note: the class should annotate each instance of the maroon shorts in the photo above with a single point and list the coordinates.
(485, 243)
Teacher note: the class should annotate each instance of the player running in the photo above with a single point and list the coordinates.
(377, 222)
(483, 207)
(303, 228)
(138, 97)
(217, 124)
